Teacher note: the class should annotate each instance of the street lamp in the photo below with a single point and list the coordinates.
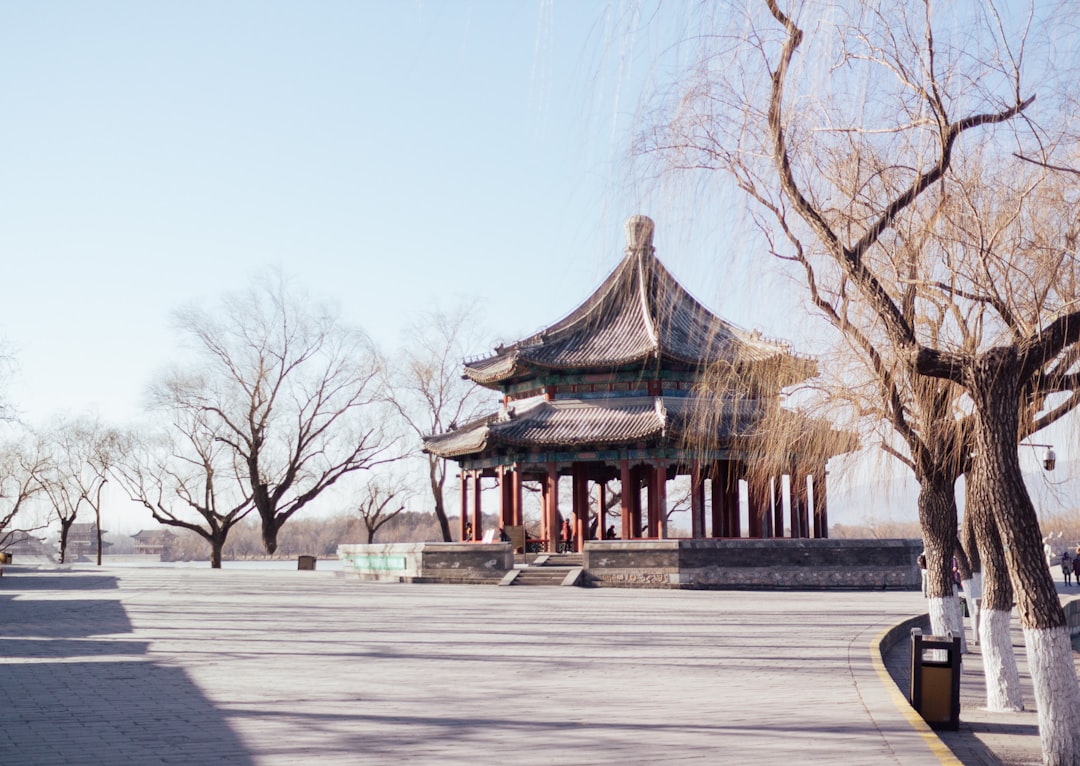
(1049, 459)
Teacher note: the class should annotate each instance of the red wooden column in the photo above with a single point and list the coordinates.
(463, 477)
(517, 515)
(697, 502)
(601, 511)
(777, 486)
(794, 511)
(732, 503)
(804, 506)
(652, 502)
(506, 497)
(757, 494)
(657, 477)
(626, 481)
(581, 504)
(799, 516)
(637, 480)
(477, 510)
(552, 507)
(721, 508)
(821, 508)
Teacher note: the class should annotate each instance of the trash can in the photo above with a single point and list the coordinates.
(5, 558)
(935, 679)
(306, 563)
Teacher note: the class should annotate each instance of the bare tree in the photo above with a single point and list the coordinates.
(378, 503)
(81, 453)
(428, 392)
(851, 184)
(185, 474)
(292, 391)
(21, 468)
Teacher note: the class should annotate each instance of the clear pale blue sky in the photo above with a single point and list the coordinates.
(386, 154)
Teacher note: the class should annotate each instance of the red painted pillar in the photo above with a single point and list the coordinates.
(601, 511)
(518, 515)
(581, 505)
(721, 524)
(756, 494)
(776, 484)
(553, 508)
(626, 480)
(463, 478)
(657, 478)
(734, 506)
(661, 502)
(697, 502)
(821, 508)
(506, 499)
(477, 514)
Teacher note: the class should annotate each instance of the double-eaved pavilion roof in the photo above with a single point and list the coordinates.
(639, 314)
(623, 372)
(542, 424)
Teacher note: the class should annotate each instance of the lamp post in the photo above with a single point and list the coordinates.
(1049, 459)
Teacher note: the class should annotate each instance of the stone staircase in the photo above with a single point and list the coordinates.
(547, 569)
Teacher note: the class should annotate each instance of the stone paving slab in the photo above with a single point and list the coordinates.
(158, 666)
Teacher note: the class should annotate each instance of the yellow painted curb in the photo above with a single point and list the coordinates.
(937, 747)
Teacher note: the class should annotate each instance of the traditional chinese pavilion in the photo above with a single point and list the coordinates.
(613, 391)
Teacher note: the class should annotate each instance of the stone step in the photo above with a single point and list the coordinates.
(564, 560)
(550, 576)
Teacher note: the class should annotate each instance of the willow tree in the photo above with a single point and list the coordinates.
(849, 125)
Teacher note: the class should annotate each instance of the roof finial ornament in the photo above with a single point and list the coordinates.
(639, 231)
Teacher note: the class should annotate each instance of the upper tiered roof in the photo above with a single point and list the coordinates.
(639, 314)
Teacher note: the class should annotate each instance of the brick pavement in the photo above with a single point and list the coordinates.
(152, 666)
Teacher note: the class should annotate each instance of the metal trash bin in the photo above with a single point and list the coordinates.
(935, 679)
(306, 563)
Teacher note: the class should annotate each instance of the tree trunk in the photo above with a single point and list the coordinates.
(937, 516)
(270, 527)
(993, 382)
(216, 544)
(437, 484)
(65, 527)
(1003, 690)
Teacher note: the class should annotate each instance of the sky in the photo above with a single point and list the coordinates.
(387, 156)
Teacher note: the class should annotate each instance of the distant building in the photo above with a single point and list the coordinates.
(25, 544)
(82, 541)
(154, 542)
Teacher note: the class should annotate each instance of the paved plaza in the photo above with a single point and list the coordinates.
(159, 665)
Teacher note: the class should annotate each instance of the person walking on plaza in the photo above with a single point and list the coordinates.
(1066, 566)
(1076, 567)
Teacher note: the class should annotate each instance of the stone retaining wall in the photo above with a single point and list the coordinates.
(428, 562)
(717, 564)
(766, 564)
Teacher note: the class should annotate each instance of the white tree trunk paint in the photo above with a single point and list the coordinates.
(945, 617)
(973, 589)
(939, 616)
(999, 663)
(1057, 694)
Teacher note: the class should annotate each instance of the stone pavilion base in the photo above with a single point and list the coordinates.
(701, 564)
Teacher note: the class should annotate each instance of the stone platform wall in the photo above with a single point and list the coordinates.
(763, 564)
(719, 564)
(428, 562)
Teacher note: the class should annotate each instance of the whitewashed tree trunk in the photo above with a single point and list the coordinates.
(1057, 696)
(973, 589)
(999, 663)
